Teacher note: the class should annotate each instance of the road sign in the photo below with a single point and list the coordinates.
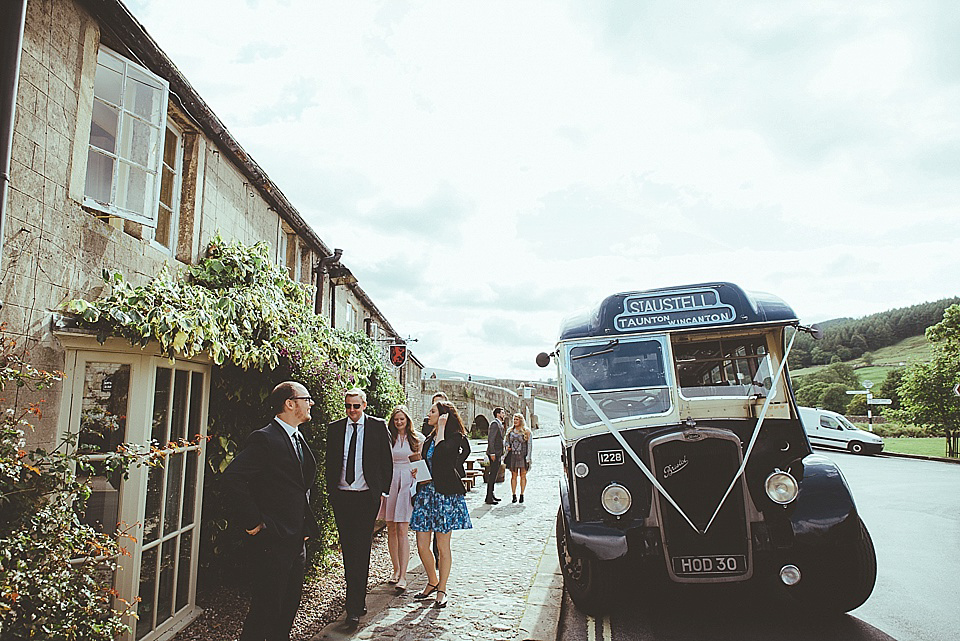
(956, 389)
(857, 391)
(879, 401)
(867, 384)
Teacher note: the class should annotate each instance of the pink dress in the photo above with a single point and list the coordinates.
(399, 504)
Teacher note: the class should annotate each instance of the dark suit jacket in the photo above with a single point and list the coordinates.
(445, 463)
(377, 455)
(268, 486)
(495, 438)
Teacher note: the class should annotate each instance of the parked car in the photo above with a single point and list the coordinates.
(829, 429)
(684, 458)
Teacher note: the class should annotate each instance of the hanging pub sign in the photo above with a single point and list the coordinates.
(676, 309)
(398, 354)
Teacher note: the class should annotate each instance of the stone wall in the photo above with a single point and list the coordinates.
(540, 390)
(471, 398)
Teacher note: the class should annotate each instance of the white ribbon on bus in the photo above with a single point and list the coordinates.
(646, 471)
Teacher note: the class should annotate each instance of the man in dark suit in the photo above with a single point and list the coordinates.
(359, 468)
(494, 453)
(270, 481)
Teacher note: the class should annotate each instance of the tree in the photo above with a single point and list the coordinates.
(857, 406)
(835, 398)
(926, 391)
(889, 388)
(867, 358)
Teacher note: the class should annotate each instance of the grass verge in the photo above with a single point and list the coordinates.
(929, 446)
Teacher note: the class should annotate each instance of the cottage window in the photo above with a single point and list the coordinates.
(168, 209)
(127, 134)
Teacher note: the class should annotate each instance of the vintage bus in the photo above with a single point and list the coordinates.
(684, 456)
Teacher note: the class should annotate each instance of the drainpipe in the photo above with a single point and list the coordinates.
(13, 16)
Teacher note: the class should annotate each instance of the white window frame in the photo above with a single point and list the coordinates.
(177, 172)
(130, 72)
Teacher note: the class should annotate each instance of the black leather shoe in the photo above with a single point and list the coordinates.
(491, 502)
(353, 620)
(496, 500)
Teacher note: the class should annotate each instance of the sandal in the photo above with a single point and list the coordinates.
(440, 603)
(427, 591)
(401, 585)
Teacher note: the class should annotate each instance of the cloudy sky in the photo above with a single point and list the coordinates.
(489, 166)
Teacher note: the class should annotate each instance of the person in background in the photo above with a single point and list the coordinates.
(270, 482)
(359, 469)
(398, 505)
(440, 506)
(494, 454)
(518, 454)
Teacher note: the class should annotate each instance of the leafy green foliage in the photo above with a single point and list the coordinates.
(926, 391)
(259, 326)
(52, 567)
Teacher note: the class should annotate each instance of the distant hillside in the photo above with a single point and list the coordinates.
(916, 349)
(849, 339)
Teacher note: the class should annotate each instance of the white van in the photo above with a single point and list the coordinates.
(829, 429)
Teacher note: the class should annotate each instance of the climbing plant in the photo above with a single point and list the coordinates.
(259, 327)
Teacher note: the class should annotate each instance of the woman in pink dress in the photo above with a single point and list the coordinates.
(399, 504)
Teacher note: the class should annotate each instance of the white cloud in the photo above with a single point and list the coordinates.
(488, 167)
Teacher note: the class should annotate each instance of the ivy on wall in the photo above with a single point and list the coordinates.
(259, 327)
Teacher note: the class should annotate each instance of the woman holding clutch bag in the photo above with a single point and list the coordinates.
(397, 507)
(439, 507)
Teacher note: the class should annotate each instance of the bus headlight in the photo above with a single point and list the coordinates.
(781, 487)
(580, 470)
(616, 499)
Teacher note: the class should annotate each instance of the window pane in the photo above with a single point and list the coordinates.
(103, 413)
(170, 149)
(151, 518)
(134, 189)
(108, 82)
(190, 486)
(143, 95)
(178, 426)
(166, 187)
(196, 405)
(162, 233)
(161, 403)
(148, 589)
(140, 143)
(102, 511)
(103, 128)
(171, 509)
(183, 569)
(99, 184)
(165, 600)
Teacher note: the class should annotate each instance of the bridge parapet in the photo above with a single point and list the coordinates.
(474, 399)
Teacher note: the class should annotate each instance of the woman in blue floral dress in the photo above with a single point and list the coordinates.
(440, 507)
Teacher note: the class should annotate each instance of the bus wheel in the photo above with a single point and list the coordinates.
(587, 579)
(843, 580)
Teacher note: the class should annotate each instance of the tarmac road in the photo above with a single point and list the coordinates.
(912, 509)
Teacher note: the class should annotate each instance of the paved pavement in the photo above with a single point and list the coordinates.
(505, 584)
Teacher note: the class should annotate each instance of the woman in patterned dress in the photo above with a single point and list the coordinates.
(517, 457)
(397, 507)
(439, 507)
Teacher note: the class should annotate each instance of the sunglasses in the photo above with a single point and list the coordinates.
(355, 406)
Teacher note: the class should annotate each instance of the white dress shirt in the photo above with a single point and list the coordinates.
(359, 483)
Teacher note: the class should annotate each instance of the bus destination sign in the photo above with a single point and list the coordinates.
(677, 309)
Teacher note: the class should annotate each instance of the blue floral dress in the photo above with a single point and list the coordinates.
(435, 512)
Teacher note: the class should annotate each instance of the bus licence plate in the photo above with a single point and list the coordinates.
(711, 564)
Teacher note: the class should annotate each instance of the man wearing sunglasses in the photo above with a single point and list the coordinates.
(359, 468)
(270, 482)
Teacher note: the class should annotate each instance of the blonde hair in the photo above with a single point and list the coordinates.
(523, 426)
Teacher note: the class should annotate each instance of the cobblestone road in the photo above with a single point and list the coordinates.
(495, 591)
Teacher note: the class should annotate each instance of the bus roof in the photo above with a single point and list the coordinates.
(700, 306)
